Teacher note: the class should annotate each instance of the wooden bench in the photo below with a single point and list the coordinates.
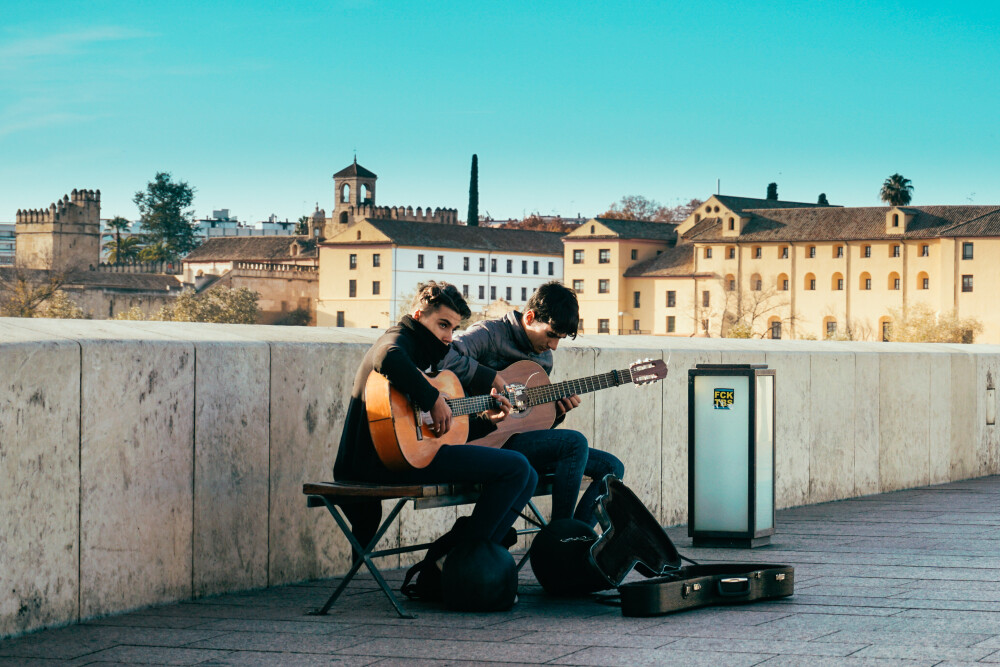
(332, 495)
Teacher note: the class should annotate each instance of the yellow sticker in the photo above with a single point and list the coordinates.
(723, 398)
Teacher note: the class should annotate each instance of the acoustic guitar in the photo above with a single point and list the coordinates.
(401, 430)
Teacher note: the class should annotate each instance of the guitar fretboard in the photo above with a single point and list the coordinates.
(470, 405)
(553, 392)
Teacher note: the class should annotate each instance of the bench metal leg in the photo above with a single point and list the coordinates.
(538, 521)
(365, 557)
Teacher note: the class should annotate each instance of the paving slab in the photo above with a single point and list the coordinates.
(905, 578)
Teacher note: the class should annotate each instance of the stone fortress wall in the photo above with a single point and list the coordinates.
(447, 216)
(63, 237)
(143, 462)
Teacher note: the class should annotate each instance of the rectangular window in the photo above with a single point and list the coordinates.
(731, 253)
(927, 283)
(671, 299)
(868, 251)
(353, 261)
(671, 324)
(578, 286)
(895, 283)
(706, 298)
(524, 267)
(812, 283)
(552, 268)
(784, 285)
(812, 251)
(886, 331)
(376, 259)
(925, 250)
(895, 250)
(603, 286)
(603, 326)
(509, 293)
(352, 288)
(482, 265)
(732, 285)
(966, 251)
(840, 283)
(831, 329)
(966, 283)
(578, 257)
(756, 252)
(840, 251)
(493, 292)
(868, 283)
(440, 262)
(635, 254)
(776, 330)
(604, 256)
(493, 265)
(340, 318)
(784, 252)
(510, 266)
(524, 294)
(635, 325)
(465, 291)
(534, 268)
(420, 261)
(482, 292)
(635, 299)
(465, 263)
(708, 253)
(376, 287)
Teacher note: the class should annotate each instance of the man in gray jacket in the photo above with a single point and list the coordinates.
(478, 354)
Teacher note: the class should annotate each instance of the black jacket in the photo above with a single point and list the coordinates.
(400, 354)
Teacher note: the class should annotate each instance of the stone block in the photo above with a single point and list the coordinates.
(39, 478)
(629, 425)
(939, 409)
(966, 420)
(866, 423)
(904, 395)
(831, 449)
(792, 427)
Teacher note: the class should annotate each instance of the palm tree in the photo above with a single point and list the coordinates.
(156, 252)
(896, 191)
(119, 224)
(122, 250)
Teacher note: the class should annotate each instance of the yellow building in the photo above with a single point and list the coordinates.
(369, 272)
(788, 269)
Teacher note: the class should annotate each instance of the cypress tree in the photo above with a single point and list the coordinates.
(473, 219)
(772, 191)
(822, 199)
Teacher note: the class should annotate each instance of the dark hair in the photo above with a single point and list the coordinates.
(432, 295)
(556, 304)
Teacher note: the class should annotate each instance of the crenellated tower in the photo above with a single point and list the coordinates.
(66, 236)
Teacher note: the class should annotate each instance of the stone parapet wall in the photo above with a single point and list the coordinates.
(143, 462)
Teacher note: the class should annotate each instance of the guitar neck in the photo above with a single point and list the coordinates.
(549, 393)
(470, 405)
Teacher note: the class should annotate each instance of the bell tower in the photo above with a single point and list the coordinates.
(354, 193)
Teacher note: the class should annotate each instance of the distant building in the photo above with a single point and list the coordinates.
(8, 241)
(370, 271)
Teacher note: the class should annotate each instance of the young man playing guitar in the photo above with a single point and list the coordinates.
(418, 343)
(551, 314)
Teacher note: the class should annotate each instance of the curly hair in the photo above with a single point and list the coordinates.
(432, 295)
(556, 304)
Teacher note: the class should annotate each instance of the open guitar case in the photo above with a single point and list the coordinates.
(632, 538)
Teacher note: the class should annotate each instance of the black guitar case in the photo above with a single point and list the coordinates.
(633, 538)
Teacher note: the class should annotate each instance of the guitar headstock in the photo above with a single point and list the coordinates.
(645, 371)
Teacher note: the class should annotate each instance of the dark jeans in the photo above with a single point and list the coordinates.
(567, 457)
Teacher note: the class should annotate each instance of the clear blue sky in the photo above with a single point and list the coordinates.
(569, 105)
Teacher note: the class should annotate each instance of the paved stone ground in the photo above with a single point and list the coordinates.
(906, 578)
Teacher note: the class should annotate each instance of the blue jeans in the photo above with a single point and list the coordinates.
(567, 456)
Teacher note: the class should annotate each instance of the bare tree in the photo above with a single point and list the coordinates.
(24, 291)
(748, 311)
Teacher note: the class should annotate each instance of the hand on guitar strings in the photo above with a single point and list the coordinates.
(500, 413)
(440, 416)
(564, 405)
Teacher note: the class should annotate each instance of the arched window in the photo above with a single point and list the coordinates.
(732, 224)
(810, 282)
(837, 282)
(345, 193)
(343, 218)
(782, 282)
(923, 280)
(865, 281)
(829, 327)
(895, 219)
(756, 284)
(893, 281)
(366, 194)
(359, 234)
(774, 328)
(730, 283)
(885, 328)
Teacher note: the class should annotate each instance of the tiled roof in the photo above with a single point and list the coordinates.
(740, 204)
(459, 237)
(638, 229)
(676, 261)
(249, 248)
(845, 224)
(354, 170)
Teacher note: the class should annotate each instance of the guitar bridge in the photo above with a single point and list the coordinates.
(515, 393)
